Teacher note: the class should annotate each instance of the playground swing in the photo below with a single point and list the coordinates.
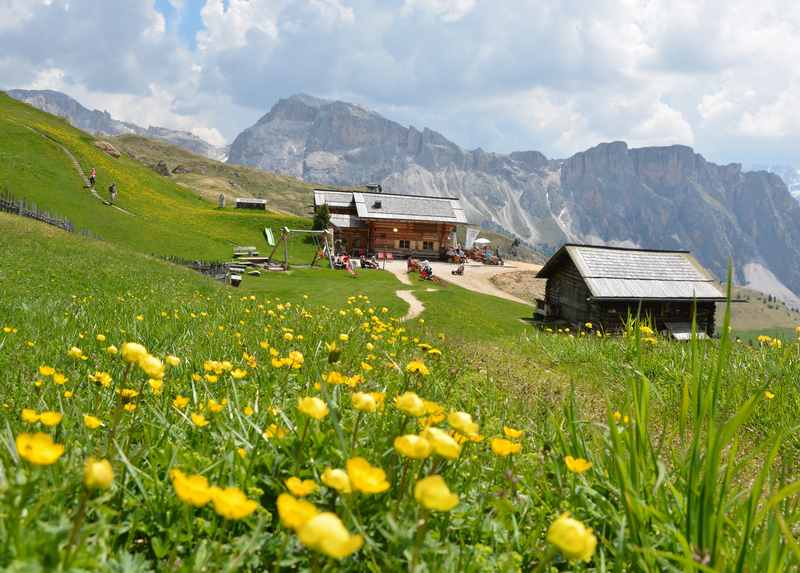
(323, 241)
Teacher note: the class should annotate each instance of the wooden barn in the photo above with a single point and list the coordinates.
(370, 222)
(603, 285)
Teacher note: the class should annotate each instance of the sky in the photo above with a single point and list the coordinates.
(557, 76)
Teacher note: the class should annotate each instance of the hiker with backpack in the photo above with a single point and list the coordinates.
(92, 178)
(112, 190)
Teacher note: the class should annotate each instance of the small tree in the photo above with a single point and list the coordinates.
(322, 218)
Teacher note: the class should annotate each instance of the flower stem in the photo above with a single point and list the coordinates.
(80, 514)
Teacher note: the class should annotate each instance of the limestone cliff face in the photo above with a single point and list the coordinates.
(102, 123)
(655, 197)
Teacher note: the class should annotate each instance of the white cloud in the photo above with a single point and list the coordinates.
(447, 10)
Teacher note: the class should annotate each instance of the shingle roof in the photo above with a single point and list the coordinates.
(345, 221)
(617, 273)
(394, 206)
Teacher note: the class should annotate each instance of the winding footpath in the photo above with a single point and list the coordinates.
(79, 170)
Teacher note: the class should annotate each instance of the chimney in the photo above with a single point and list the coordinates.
(374, 188)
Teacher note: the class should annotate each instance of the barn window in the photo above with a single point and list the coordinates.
(404, 244)
(427, 245)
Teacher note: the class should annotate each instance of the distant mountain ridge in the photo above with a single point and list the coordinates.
(102, 123)
(653, 197)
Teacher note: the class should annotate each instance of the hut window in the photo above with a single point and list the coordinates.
(427, 245)
(377, 205)
(404, 244)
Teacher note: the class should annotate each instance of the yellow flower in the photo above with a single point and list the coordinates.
(156, 385)
(274, 431)
(199, 420)
(366, 367)
(91, 422)
(130, 407)
(100, 338)
(232, 503)
(503, 447)
(410, 403)
(214, 406)
(128, 393)
(443, 443)
(294, 513)
(326, 534)
(364, 402)
(572, 538)
(432, 492)
(238, 374)
(299, 487)
(50, 418)
(413, 446)
(97, 474)
(288, 336)
(152, 366)
(366, 478)
(577, 465)
(112, 350)
(336, 479)
(768, 395)
(313, 407)
(296, 359)
(191, 489)
(417, 367)
(30, 416)
(173, 360)
(588, 325)
(76, 353)
(248, 411)
(46, 370)
(39, 449)
(344, 337)
(59, 379)
(133, 352)
(334, 378)
(68, 394)
(617, 415)
(180, 402)
(512, 433)
(462, 422)
(102, 378)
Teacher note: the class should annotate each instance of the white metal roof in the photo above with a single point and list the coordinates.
(617, 273)
(394, 206)
(345, 221)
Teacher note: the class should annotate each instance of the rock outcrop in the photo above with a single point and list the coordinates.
(655, 197)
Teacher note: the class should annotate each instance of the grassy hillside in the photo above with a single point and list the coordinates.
(209, 178)
(168, 219)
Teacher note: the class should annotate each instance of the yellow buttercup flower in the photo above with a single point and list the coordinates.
(232, 503)
(59, 379)
(432, 492)
(130, 407)
(91, 422)
(199, 420)
(503, 447)
(577, 465)
(180, 402)
(133, 352)
(102, 378)
(294, 513)
(366, 366)
(156, 385)
(112, 350)
(238, 374)
(336, 479)
(410, 403)
(30, 416)
(39, 449)
(768, 395)
(299, 487)
(413, 446)
(76, 353)
(97, 474)
(248, 411)
(152, 366)
(173, 360)
(512, 433)
(364, 402)
(50, 418)
(313, 407)
(462, 422)
(366, 478)
(100, 338)
(573, 539)
(443, 443)
(326, 534)
(274, 431)
(334, 378)
(417, 367)
(46, 370)
(191, 489)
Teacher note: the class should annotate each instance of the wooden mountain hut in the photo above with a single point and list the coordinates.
(605, 285)
(371, 222)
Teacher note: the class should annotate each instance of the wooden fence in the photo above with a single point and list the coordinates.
(10, 204)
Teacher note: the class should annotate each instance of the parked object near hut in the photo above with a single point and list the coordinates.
(606, 285)
(251, 203)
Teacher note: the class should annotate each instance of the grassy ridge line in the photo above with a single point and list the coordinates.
(171, 220)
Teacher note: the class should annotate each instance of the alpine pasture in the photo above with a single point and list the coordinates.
(153, 419)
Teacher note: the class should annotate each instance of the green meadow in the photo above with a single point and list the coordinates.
(156, 420)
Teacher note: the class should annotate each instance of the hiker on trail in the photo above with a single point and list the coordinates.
(92, 177)
(112, 190)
